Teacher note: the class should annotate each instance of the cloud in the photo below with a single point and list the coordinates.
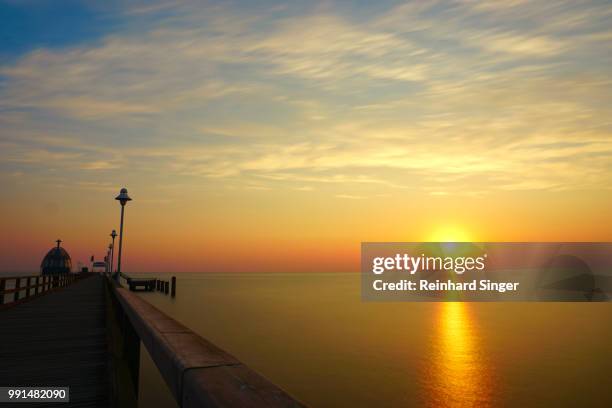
(99, 165)
(349, 197)
(512, 43)
(427, 96)
(332, 48)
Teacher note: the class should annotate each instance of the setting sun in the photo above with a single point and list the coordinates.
(450, 233)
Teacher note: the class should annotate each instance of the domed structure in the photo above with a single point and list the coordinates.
(56, 261)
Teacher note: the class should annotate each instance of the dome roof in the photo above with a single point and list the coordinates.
(56, 261)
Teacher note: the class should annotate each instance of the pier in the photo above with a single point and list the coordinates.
(58, 338)
(87, 334)
(150, 284)
(146, 284)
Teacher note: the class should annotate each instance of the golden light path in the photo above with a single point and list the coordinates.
(457, 374)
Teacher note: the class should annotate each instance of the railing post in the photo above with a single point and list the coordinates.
(17, 287)
(36, 287)
(27, 294)
(166, 287)
(2, 287)
(173, 289)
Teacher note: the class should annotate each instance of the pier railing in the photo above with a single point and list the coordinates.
(15, 289)
(198, 373)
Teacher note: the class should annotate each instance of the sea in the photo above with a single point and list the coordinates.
(312, 335)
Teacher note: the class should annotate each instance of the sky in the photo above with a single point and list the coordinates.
(262, 136)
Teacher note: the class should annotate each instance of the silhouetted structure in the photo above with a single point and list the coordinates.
(56, 261)
(123, 198)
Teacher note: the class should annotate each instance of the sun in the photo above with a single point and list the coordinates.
(450, 233)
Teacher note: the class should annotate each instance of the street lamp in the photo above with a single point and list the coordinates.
(112, 248)
(108, 258)
(123, 198)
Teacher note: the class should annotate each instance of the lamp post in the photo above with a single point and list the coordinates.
(108, 258)
(112, 248)
(123, 198)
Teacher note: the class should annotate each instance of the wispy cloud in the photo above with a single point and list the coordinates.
(422, 96)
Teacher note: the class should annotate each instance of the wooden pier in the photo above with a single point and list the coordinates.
(87, 335)
(145, 284)
(150, 284)
(59, 339)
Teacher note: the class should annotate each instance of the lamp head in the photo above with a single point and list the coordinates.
(123, 196)
(113, 234)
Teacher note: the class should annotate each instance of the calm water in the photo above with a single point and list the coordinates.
(312, 335)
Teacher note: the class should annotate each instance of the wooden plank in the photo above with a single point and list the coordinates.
(59, 340)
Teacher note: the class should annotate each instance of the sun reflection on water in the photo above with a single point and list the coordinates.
(457, 375)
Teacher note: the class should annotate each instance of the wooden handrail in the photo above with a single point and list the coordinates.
(30, 276)
(43, 284)
(197, 372)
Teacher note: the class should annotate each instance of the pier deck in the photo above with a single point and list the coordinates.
(59, 339)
